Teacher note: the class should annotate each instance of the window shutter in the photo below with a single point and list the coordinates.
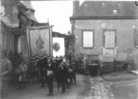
(136, 37)
(88, 39)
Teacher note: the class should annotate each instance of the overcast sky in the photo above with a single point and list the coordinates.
(56, 12)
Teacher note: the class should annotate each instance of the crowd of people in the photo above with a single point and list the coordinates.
(47, 70)
(55, 72)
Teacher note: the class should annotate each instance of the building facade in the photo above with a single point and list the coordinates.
(8, 24)
(106, 31)
(16, 16)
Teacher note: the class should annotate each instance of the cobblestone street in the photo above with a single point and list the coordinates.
(99, 89)
(87, 88)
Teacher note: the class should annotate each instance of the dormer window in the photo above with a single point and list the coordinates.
(115, 11)
(103, 4)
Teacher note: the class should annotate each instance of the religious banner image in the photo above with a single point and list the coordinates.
(39, 40)
(58, 47)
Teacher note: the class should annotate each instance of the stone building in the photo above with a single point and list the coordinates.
(16, 16)
(106, 31)
(9, 23)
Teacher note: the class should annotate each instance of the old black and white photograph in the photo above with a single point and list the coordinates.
(68, 49)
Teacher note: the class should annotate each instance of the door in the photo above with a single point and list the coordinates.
(109, 49)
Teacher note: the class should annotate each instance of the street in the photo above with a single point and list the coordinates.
(87, 88)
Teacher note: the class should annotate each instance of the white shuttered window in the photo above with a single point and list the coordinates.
(88, 37)
(109, 38)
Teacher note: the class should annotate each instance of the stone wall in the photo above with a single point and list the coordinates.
(125, 43)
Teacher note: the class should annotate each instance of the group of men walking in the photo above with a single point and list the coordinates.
(50, 71)
(56, 70)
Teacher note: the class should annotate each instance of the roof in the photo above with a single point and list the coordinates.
(105, 10)
(30, 15)
(27, 4)
(26, 8)
(57, 34)
(12, 22)
(35, 23)
(10, 13)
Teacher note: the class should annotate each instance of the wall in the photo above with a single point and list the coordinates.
(23, 45)
(125, 45)
(7, 39)
(0, 39)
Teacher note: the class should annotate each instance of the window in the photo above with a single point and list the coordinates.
(136, 37)
(109, 38)
(87, 39)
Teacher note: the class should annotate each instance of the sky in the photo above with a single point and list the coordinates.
(57, 13)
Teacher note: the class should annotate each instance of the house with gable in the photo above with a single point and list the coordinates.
(106, 31)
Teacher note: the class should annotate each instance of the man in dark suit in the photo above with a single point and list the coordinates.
(50, 77)
(62, 76)
(42, 66)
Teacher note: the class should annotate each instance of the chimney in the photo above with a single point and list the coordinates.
(75, 7)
